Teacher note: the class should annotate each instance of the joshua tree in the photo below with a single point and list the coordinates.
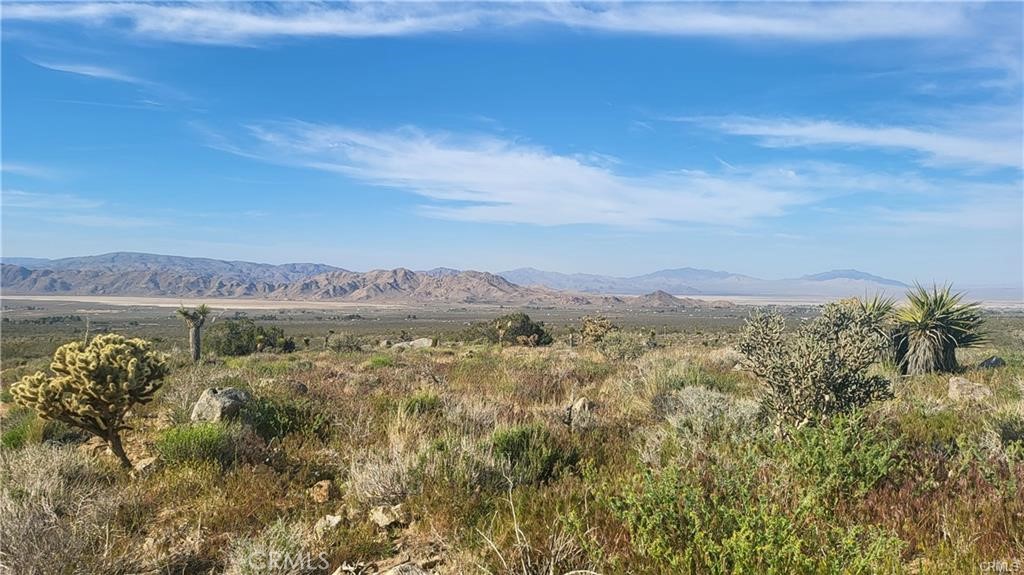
(931, 327)
(94, 384)
(194, 319)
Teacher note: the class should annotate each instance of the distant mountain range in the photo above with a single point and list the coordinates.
(140, 274)
(136, 274)
(694, 281)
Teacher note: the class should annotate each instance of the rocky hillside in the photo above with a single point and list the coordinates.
(128, 274)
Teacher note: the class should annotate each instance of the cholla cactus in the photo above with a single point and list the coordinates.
(595, 328)
(95, 384)
(818, 372)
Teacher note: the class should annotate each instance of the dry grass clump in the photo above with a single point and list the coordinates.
(280, 549)
(55, 511)
(386, 475)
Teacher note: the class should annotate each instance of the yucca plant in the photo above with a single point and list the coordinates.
(931, 327)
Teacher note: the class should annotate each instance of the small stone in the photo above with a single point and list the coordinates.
(323, 491)
(962, 389)
(219, 403)
(384, 516)
(145, 465)
(992, 362)
(579, 414)
(421, 343)
(326, 524)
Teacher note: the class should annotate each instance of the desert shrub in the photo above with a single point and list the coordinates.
(721, 522)
(95, 384)
(624, 345)
(931, 327)
(54, 506)
(197, 442)
(385, 476)
(818, 372)
(280, 549)
(343, 342)
(705, 413)
(234, 337)
(691, 375)
(594, 328)
(844, 459)
(277, 417)
(422, 402)
(531, 454)
(517, 329)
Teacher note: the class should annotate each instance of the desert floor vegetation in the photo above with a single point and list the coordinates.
(629, 454)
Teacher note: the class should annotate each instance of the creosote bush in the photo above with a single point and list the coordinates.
(818, 372)
(95, 384)
(625, 345)
(235, 337)
(517, 329)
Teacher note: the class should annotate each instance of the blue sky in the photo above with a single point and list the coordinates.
(767, 139)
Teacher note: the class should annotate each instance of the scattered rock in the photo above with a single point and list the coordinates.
(144, 466)
(298, 388)
(992, 362)
(385, 343)
(962, 389)
(385, 516)
(579, 415)
(420, 343)
(326, 524)
(219, 403)
(323, 491)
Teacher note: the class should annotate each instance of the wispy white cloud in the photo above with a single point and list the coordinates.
(101, 221)
(998, 146)
(69, 209)
(27, 170)
(240, 23)
(487, 179)
(20, 199)
(91, 71)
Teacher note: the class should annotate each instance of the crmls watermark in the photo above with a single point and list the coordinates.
(275, 561)
(1002, 566)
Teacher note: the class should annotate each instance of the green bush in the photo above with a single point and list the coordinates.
(722, 521)
(818, 372)
(196, 442)
(274, 417)
(422, 402)
(625, 345)
(379, 361)
(844, 459)
(515, 329)
(531, 453)
(234, 337)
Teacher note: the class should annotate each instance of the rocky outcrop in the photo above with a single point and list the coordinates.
(963, 389)
(219, 404)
